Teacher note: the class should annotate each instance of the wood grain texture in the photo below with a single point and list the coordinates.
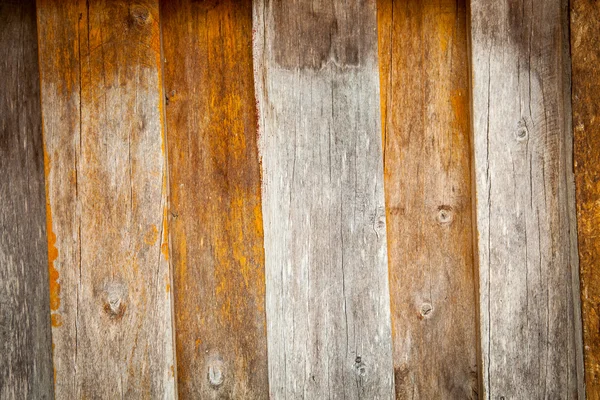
(585, 59)
(328, 315)
(216, 218)
(25, 337)
(106, 192)
(528, 264)
(423, 65)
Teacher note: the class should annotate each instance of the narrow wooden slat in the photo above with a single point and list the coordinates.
(106, 190)
(585, 53)
(528, 264)
(425, 107)
(216, 217)
(328, 315)
(25, 338)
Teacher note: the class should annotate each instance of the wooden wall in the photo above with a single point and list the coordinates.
(238, 199)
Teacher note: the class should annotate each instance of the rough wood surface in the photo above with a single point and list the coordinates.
(423, 67)
(25, 339)
(106, 191)
(328, 312)
(216, 219)
(528, 264)
(585, 59)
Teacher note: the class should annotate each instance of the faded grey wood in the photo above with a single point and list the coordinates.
(328, 304)
(528, 264)
(102, 99)
(25, 338)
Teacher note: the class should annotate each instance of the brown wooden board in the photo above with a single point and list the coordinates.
(216, 219)
(528, 264)
(328, 304)
(25, 338)
(423, 64)
(585, 59)
(106, 188)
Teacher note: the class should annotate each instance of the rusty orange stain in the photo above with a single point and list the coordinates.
(52, 250)
(151, 235)
(164, 248)
(56, 320)
(168, 287)
(459, 105)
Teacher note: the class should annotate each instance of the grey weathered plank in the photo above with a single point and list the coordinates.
(102, 102)
(528, 265)
(328, 311)
(423, 63)
(25, 337)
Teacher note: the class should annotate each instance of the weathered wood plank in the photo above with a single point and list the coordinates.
(423, 65)
(528, 264)
(106, 183)
(585, 54)
(328, 315)
(25, 337)
(216, 217)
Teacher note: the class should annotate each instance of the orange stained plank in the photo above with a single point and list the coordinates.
(106, 198)
(585, 53)
(425, 109)
(216, 218)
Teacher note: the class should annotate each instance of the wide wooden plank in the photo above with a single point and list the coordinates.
(216, 218)
(585, 59)
(528, 265)
(25, 337)
(106, 183)
(328, 312)
(423, 66)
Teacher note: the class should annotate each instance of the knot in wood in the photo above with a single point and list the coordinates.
(139, 15)
(445, 215)
(114, 305)
(426, 310)
(215, 375)
(360, 367)
(522, 132)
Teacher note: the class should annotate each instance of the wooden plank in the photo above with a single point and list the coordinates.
(585, 53)
(216, 217)
(528, 264)
(25, 337)
(423, 65)
(106, 182)
(328, 315)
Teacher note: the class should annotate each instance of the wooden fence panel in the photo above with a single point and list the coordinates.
(585, 53)
(216, 217)
(106, 182)
(423, 65)
(328, 315)
(528, 264)
(25, 341)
